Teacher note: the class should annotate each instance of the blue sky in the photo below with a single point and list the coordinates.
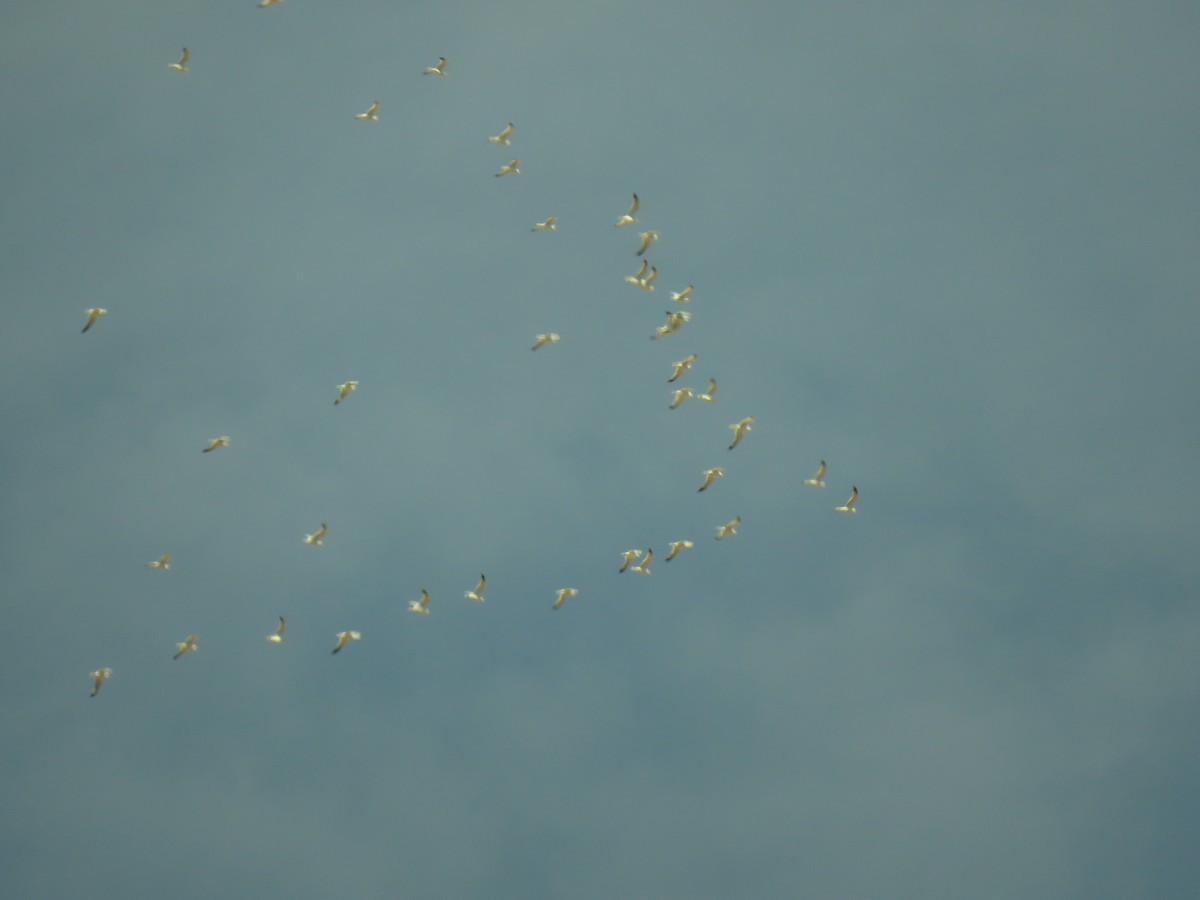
(948, 248)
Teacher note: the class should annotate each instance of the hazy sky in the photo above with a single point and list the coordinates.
(949, 248)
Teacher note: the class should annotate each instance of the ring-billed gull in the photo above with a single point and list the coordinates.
(676, 547)
(636, 279)
(628, 218)
(513, 168)
(216, 444)
(684, 295)
(277, 637)
(711, 475)
(678, 396)
(682, 366)
(92, 315)
(345, 637)
(627, 558)
(372, 113)
(729, 528)
(648, 238)
(317, 536)
(421, 607)
(163, 562)
(345, 389)
(98, 678)
(548, 225)
(740, 429)
(477, 594)
(675, 320)
(263, 4)
(187, 645)
(542, 340)
(562, 595)
(503, 137)
(849, 505)
(817, 480)
(643, 568)
(708, 395)
(180, 66)
(439, 69)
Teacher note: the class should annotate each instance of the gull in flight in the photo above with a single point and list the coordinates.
(678, 396)
(345, 390)
(849, 506)
(163, 562)
(98, 678)
(92, 315)
(503, 137)
(648, 238)
(729, 528)
(676, 547)
(641, 273)
(643, 568)
(683, 296)
(477, 594)
(562, 595)
(263, 4)
(277, 637)
(627, 558)
(216, 444)
(740, 429)
(675, 321)
(180, 66)
(707, 396)
(548, 225)
(710, 475)
(817, 480)
(421, 606)
(682, 366)
(542, 340)
(628, 218)
(439, 69)
(187, 645)
(372, 113)
(345, 637)
(317, 536)
(513, 168)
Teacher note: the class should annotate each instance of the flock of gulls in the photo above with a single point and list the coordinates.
(633, 560)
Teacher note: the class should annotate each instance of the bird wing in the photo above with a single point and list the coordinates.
(506, 133)
(633, 207)
(653, 274)
(282, 627)
(482, 582)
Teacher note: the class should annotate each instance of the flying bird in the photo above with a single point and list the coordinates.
(542, 340)
(92, 315)
(684, 295)
(163, 562)
(562, 595)
(277, 637)
(421, 607)
(710, 475)
(648, 238)
(317, 536)
(263, 4)
(678, 396)
(98, 678)
(371, 115)
(647, 283)
(627, 558)
(641, 273)
(187, 645)
(817, 480)
(628, 218)
(180, 66)
(729, 528)
(439, 69)
(675, 321)
(345, 390)
(477, 594)
(707, 396)
(345, 637)
(849, 505)
(643, 568)
(740, 429)
(676, 547)
(513, 168)
(548, 225)
(682, 366)
(503, 137)
(216, 444)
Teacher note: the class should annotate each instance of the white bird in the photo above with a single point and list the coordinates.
(548, 225)
(513, 168)
(316, 537)
(628, 218)
(562, 595)
(187, 645)
(643, 568)
(676, 547)
(345, 390)
(345, 637)
(817, 480)
(678, 396)
(263, 4)
(729, 528)
(421, 607)
(439, 69)
(627, 558)
(636, 279)
(163, 562)
(477, 594)
(684, 295)
(98, 678)
(740, 429)
(647, 283)
(180, 66)
(216, 444)
(277, 637)
(675, 321)
(648, 238)
(542, 340)
(682, 366)
(708, 395)
(92, 315)
(503, 137)
(372, 113)
(849, 506)
(710, 475)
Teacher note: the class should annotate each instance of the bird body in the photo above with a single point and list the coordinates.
(477, 594)
(678, 396)
(345, 637)
(740, 429)
(513, 168)
(372, 113)
(627, 558)
(682, 366)
(187, 645)
(263, 4)
(684, 295)
(648, 238)
(643, 568)
(92, 315)
(629, 217)
(98, 678)
(542, 340)
(676, 547)
(562, 595)
(180, 66)
(277, 637)
(729, 528)
(345, 390)
(216, 444)
(421, 607)
(636, 279)
(503, 137)
(709, 394)
(317, 536)
(439, 69)
(818, 480)
(711, 475)
(848, 506)
(163, 562)
(548, 225)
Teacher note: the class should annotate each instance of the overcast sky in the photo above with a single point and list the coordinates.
(949, 248)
